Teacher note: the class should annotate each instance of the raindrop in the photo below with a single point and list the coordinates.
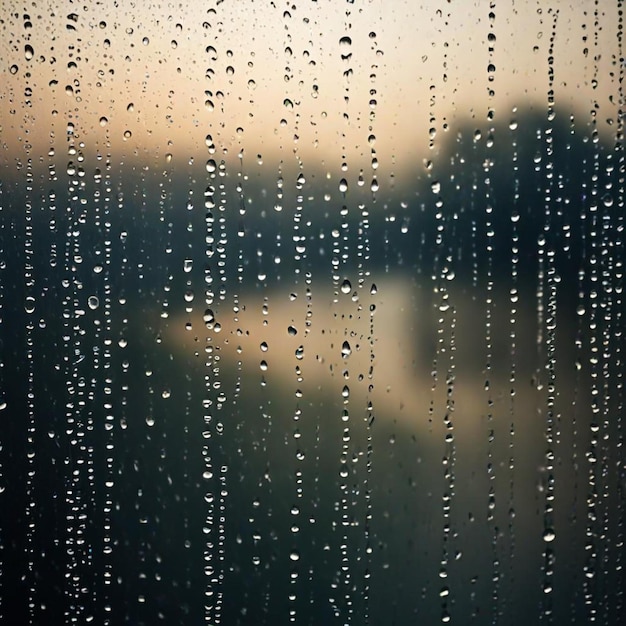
(93, 302)
(29, 304)
(345, 44)
(607, 200)
(346, 286)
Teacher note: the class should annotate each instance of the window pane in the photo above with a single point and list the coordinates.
(312, 313)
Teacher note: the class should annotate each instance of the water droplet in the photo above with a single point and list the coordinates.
(346, 350)
(607, 200)
(549, 535)
(346, 286)
(292, 330)
(93, 302)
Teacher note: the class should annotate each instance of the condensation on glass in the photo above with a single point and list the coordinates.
(312, 313)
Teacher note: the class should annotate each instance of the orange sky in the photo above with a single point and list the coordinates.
(255, 75)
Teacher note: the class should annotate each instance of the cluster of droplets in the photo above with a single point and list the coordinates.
(513, 312)
(213, 475)
(547, 310)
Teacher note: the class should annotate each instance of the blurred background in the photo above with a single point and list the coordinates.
(311, 313)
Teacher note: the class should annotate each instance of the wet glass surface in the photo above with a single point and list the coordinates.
(312, 313)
